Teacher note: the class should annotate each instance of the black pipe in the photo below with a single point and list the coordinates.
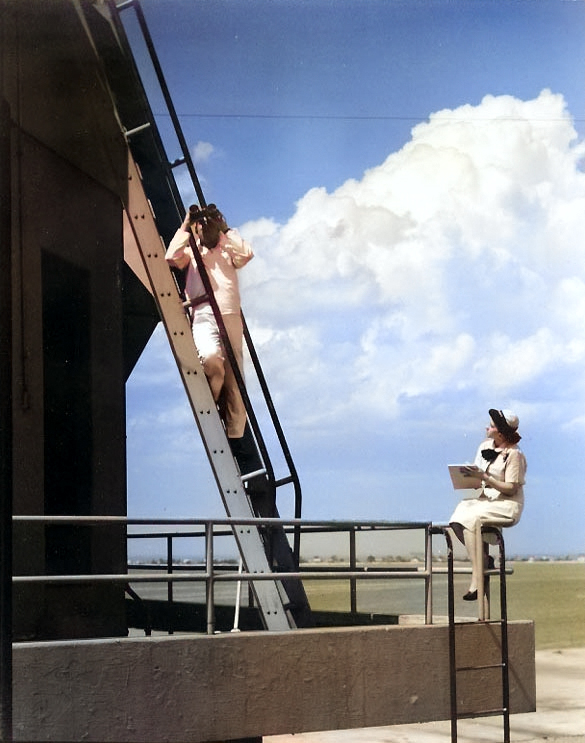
(135, 4)
(6, 480)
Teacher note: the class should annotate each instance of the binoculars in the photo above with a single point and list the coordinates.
(211, 212)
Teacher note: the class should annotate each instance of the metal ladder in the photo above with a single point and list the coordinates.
(502, 663)
(154, 208)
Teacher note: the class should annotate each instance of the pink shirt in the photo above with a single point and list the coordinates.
(232, 252)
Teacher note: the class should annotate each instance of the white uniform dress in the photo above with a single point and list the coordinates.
(491, 506)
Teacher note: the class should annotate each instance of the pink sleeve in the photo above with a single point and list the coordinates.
(239, 250)
(177, 254)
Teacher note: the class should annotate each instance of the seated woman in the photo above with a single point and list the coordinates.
(501, 467)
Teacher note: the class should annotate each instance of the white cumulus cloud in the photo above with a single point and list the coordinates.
(454, 264)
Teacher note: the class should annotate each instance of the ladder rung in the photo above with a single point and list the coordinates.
(250, 475)
(474, 622)
(284, 481)
(481, 668)
(136, 130)
(177, 162)
(482, 713)
(495, 572)
(125, 4)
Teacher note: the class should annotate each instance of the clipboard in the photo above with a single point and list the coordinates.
(462, 480)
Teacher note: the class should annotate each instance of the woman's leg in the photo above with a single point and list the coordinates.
(479, 560)
(234, 405)
(470, 541)
(208, 344)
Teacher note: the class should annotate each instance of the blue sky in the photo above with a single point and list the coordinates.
(410, 175)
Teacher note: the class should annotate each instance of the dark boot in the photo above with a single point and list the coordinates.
(245, 452)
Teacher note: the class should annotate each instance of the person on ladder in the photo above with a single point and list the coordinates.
(500, 467)
(223, 251)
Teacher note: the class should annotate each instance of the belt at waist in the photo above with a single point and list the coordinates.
(196, 301)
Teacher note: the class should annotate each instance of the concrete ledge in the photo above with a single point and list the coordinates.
(199, 688)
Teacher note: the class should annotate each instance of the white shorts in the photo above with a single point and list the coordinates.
(209, 346)
(206, 333)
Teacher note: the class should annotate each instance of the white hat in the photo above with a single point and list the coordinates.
(511, 419)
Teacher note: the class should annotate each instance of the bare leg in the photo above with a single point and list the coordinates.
(476, 570)
(235, 409)
(215, 372)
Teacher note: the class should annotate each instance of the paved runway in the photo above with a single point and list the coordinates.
(559, 717)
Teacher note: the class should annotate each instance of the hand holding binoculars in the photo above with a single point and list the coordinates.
(209, 212)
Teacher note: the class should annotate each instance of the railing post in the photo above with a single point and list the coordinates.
(352, 567)
(236, 627)
(481, 601)
(170, 583)
(209, 583)
(428, 576)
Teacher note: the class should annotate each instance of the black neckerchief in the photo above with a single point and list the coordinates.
(490, 455)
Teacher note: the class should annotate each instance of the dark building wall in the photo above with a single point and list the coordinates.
(68, 167)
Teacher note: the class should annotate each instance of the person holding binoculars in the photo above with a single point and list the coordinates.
(223, 252)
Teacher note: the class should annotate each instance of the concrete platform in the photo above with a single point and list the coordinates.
(249, 684)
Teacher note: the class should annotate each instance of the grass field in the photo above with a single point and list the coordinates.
(553, 595)
(550, 593)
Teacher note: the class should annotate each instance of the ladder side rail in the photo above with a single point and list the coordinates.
(452, 653)
(135, 4)
(451, 614)
(505, 655)
(293, 474)
(270, 599)
(188, 161)
(294, 478)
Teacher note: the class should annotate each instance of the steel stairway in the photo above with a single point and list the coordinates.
(154, 210)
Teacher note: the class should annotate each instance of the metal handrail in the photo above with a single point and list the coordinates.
(211, 574)
(321, 524)
(218, 577)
